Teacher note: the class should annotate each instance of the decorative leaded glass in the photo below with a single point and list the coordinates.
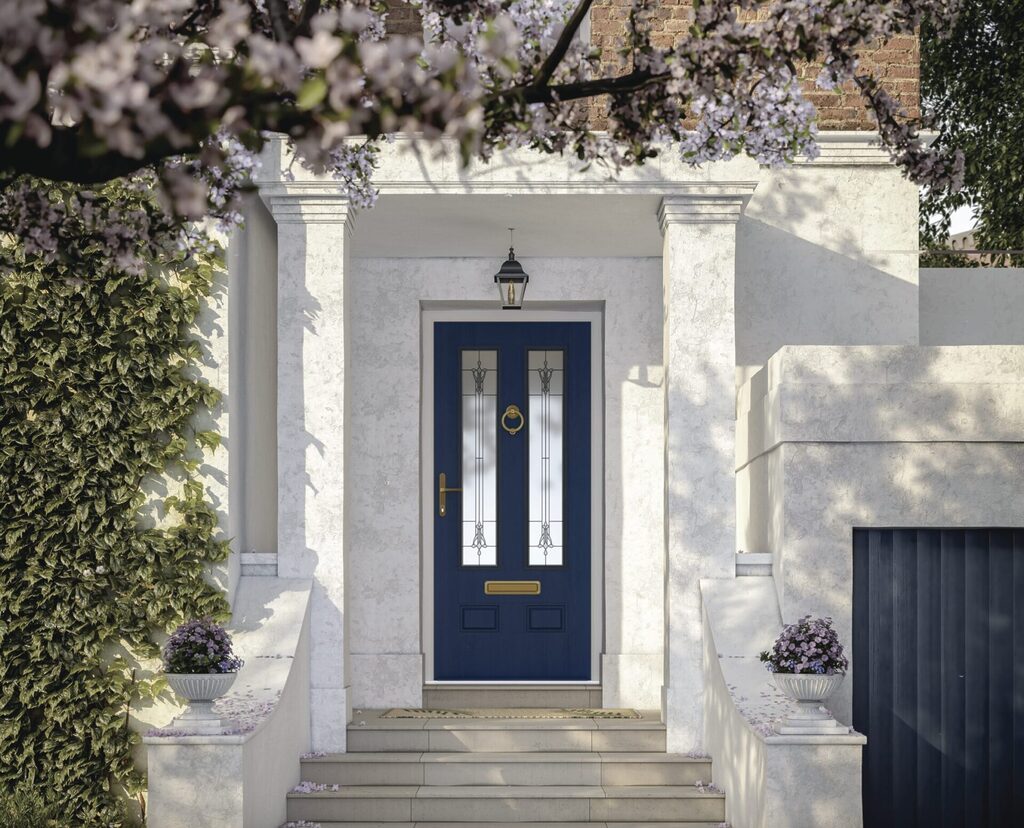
(479, 458)
(546, 435)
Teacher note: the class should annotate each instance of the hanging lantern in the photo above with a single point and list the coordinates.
(511, 281)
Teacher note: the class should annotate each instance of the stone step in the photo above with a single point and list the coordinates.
(503, 803)
(505, 769)
(714, 824)
(459, 696)
(370, 733)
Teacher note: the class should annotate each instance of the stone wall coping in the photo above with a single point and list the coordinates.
(881, 393)
(854, 738)
(404, 167)
(744, 619)
(266, 624)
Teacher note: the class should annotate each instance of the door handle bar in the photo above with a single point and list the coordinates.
(442, 492)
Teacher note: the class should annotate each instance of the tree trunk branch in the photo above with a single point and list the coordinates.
(279, 19)
(532, 93)
(547, 69)
(309, 11)
(64, 160)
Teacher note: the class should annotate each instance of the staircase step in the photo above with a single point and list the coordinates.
(503, 803)
(467, 768)
(369, 733)
(713, 824)
(460, 696)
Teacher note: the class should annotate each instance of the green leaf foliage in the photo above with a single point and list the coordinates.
(25, 807)
(972, 81)
(97, 392)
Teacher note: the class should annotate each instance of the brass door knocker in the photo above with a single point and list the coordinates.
(513, 412)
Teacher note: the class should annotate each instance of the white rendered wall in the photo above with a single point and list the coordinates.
(826, 254)
(240, 779)
(826, 251)
(770, 781)
(972, 306)
(879, 437)
(383, 469)
(254, 387)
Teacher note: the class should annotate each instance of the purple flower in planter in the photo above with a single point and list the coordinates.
(808, 646)
(200, 646)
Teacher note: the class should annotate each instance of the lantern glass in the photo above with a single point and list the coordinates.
(511, 293)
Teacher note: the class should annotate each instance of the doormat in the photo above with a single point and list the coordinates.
(513, 713)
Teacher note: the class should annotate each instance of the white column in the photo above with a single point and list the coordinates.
(700, 420)
(314, 227)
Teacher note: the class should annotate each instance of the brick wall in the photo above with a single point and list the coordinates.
(403, 19)
(897, 61)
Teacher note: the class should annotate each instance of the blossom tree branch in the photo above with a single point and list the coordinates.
(558, 53)
(181, 95)
(535, 93)
(279, 19)
(310, 9)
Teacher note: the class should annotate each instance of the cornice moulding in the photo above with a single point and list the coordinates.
(307, 203)
(724, 206)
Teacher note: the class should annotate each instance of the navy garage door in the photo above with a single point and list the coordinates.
(938, 675)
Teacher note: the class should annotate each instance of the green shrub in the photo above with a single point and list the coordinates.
(25, 807)
(97, 393)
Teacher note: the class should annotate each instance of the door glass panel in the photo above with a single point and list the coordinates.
(546, 384)
(479, 458)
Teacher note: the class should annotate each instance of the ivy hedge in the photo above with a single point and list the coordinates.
(98, 390)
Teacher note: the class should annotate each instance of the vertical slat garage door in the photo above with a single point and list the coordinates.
(938, 675)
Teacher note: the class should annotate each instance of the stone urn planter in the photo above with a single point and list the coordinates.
(810, 691)
(201, 690)
(808, 664)
(200, 666)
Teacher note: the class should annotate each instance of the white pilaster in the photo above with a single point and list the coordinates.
(314, 226)
(699, 266)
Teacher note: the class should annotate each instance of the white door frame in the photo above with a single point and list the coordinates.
(564, 313)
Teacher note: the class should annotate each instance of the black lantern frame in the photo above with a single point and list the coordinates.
(511, 280)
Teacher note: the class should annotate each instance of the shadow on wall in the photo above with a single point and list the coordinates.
(813, 295)
(634, 543)
(890, 455)
(253, 322)
(310, 494)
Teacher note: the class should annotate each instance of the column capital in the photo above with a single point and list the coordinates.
(308, 203)
(711, 204)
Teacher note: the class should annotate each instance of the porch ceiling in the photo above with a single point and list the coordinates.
(476, 225)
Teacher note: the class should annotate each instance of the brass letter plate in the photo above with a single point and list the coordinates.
(511, 587)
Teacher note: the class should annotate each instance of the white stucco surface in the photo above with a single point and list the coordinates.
(770, 781)
(314, 229)
(826, 254)
(972, 306)
(384, 467)
(253, 398)
(826, 251)
(699, 278)
(240, 779)
(877, 437)
(823, 254)
(213, 325)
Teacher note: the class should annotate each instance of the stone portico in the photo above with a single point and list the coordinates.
(692, 281)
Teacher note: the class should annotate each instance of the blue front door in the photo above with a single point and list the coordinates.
(512, 532)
